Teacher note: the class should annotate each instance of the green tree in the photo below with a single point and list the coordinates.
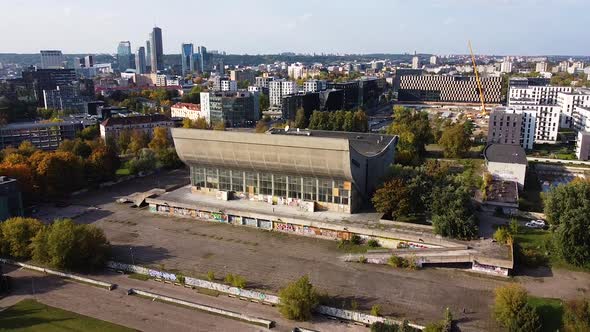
(263, 102)
(572, 236)
(123, 140)
(298, 299)
(168, 158)
(562, 198)
(512, 311)
(452, 214)
(456, 140)
(81, 149)
(102, 164)
(502, 235)
(360, 122)
(393, 199)
(89, 133)
(413, 129)
(300, 119)
(348, 124)
(17, 236)
(26, 148)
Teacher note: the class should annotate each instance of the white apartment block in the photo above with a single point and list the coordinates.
(547, 119)
(546, 95)
(506, 67)
(262, 82)
(279, 88)
(228, 85)
(52, 59)
(314, 86)
(297, 71)
(568, 101)
(541, 67)
(187, 110)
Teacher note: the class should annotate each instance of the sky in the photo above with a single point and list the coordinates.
(500, 27)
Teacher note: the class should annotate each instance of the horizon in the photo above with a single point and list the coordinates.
(265, 27)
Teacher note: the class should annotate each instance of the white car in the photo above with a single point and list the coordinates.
(536, 224)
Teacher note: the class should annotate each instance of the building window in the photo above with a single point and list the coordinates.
(212, 178)
(224, 180)
(265, 184)
(237, 178)
(251, 182)
(280, 185)
(309, 189)
(198, 176)
(295, 187)
(325, 190)
(340, 193)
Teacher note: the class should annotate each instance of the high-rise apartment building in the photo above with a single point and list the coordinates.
(314, 86)
(541, 67)
(52, 59)
(433, 60)
(188, 58)
(242, 75)
(416, 62)
(157, 50)
(140, 61)
(278, 89)
(124, 55)
(510, 126)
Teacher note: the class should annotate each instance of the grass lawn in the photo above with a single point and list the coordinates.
(123, 172)
(550, 311)
(30, 315)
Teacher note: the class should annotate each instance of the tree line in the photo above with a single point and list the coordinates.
(63, 244)
(430, 191)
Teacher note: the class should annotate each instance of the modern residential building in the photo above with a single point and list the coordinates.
(314, 85)
(541, 67)
(232, 108)
(506, 66)
(263, 82)
(188, 59)
(311, 170)
(506, 162)
(448, 88)
(140, 61)
(157, 50)
(433, 60)
(526, 82)
(510, 126)
(416, 62)
(112, 127)
(44, 135)
(11, 203)
(540, 95)
(124, 56)
(297, 71)
(187, 110)
(224, 84)
(568, 101)
(88, 61)
(242, 75)
(52, 59)
(279, 88)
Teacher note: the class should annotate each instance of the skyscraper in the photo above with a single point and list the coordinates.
(157, 54)
(203, 59)
(140, 61)
(52, 59)
(188, 59)
(124, 55)
(148, 54)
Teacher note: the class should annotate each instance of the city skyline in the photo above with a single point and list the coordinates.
(439, 27)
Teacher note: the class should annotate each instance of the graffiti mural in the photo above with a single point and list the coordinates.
(311, 231)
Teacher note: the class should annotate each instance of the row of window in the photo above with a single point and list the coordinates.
(286, 186)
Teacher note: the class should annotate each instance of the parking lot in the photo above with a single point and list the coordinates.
(269, 260)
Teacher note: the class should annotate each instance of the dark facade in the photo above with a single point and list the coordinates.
(360, 93)
(309, 101)
(350, 92)
(525, 82)
(332, 100)
(11, 203)
(234, 109)
(49, 79)
(43, 135)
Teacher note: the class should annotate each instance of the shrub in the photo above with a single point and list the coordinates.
(577, 316)
(408, 263)
(180, 278)
(298, 299)
(238, 281)
(411, 263)
(210, 275)
(512, 311)
(355, 239)
(354, 304)
(362, 259)
(376, 310)
(502, 235)
(373, 243)
(514, 226)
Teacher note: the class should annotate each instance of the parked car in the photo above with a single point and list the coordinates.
(540, 224)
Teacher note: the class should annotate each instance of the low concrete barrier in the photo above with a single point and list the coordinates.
(60, 274)
(195, 282)
(359, 316)
(222, 312)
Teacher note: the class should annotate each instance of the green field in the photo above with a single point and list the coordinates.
(30, 315)
(550, 311)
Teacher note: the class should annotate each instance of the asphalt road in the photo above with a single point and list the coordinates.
(269, 260)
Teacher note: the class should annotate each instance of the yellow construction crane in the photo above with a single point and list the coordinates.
(479, 86)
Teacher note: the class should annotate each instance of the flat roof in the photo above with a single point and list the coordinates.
(502, 192)
(505, 153)
(367, 144)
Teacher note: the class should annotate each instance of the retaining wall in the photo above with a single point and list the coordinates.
(60, 274)
(236, 315)
(359, 316)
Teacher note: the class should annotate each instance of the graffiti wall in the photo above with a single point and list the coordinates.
(311, 231)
